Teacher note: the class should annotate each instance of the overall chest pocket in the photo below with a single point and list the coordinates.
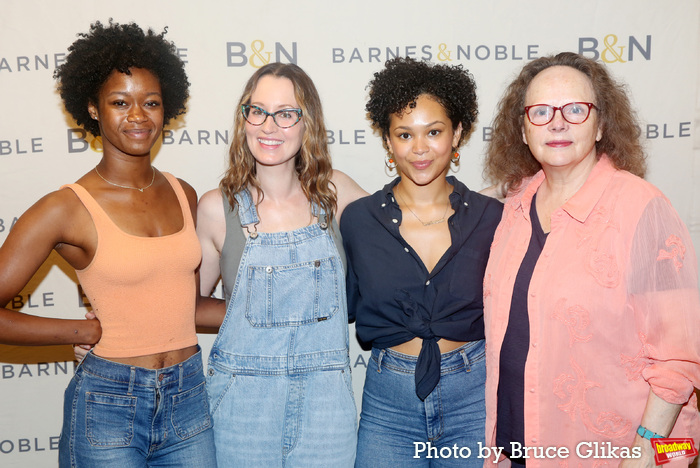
(291, 295)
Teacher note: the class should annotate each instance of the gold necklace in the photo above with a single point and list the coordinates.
(126, 186)
(424, 223)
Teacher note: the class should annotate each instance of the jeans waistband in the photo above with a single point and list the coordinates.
(451, 361)
(141, 376)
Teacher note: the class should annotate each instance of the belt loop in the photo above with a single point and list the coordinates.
(379, 360)
(80, 363)
(467, 364)
(132, 380)
(180, 379)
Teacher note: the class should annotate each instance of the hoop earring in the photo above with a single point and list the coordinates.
(454, 159)
(390, 165)
(390, 162)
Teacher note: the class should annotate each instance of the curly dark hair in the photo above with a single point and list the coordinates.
(509, 161)
(104, 49)
(404, 79)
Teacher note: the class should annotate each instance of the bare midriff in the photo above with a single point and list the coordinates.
(158, 360)
(413, 347)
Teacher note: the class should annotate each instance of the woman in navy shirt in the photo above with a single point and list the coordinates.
(417, 250)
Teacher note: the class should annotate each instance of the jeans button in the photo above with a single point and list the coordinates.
(210, 372)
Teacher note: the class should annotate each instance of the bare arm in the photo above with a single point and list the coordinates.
(659, 417)
(347, 189)
(494, 191)
(53, 222)
(211, 231)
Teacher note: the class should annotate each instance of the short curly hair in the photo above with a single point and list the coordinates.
(404, 79)
(106, 48)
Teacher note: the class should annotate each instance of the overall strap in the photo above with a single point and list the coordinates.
(334, 232)
(246, 208)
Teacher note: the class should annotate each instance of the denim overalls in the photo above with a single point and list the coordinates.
(279, 369)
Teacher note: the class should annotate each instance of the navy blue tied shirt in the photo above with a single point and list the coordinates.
(391, 294)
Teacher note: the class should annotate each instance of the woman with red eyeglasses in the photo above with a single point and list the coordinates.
(591, 300)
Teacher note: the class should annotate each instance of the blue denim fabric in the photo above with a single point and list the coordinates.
(123, 416)
(394, 419)
(279, 369)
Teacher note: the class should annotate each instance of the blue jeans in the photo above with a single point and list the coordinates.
(398, 429)
(123, 416)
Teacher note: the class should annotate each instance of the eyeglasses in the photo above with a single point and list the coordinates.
(573, 112)
(284, 118)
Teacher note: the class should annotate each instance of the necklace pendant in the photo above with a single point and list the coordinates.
(430, 223)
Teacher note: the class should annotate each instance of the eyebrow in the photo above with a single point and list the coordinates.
(127, 93)
(281, 107)
(425, 126)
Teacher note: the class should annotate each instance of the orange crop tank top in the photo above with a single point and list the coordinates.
(142, 289)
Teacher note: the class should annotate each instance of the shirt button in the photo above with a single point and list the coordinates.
(383, 205)
(394, 220)
(427, 282)
(534, 441)
(466, 204)
(534, 345)
(406, 249)
(532, 390)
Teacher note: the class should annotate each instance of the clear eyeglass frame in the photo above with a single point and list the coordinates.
(278, 117)
(566, 112)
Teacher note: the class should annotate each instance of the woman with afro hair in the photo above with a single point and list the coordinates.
(138, 398)
(416, 251)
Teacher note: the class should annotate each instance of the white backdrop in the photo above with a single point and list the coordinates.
(653, 46)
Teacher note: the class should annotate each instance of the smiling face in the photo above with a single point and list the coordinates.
(270, 144)
(560, 144)
(421, 140)
(130, 112)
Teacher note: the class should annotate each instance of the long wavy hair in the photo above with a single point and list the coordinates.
(509, 161)
(312, 162)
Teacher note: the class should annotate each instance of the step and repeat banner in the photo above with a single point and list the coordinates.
(653, 46)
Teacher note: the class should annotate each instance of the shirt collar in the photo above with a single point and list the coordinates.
(459, 189)
(584, 200)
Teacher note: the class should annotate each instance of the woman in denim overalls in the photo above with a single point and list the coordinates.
(279, 370)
